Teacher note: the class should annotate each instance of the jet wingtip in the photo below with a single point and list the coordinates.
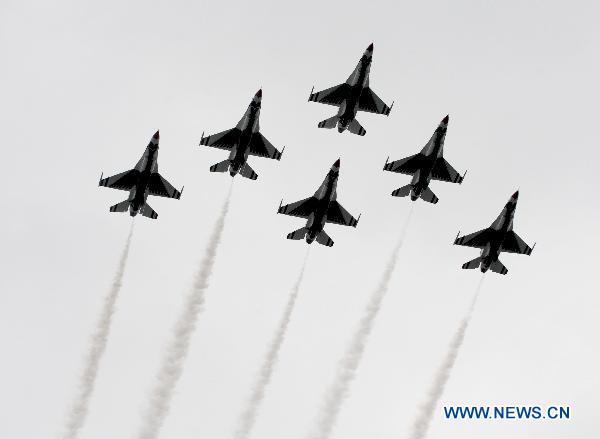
(311, 92)
(100, 181)
(463, 176)
(456, 239)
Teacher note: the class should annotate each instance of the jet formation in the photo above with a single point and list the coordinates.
(499, 237)
(352, 96)
(320, 209)
(141, 181)
(245, 139)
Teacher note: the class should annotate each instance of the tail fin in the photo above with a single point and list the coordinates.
(220, 167)
(248, 172)
(148, 212)
(324, 239)
(356, 128)
(429, 196)
(298, 234)
(329, 123)
(498, 267)
(472, 264)
(120, 207)
(404, 191)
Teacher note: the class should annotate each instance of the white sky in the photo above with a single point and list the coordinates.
(84, 85)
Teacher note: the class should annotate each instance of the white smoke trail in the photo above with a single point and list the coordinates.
(427, 409)
(349, 363)
(98, 341)
(177, 349)
(248, 416)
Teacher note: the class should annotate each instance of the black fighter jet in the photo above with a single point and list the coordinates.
(497, 238)
(141, 181)
(352, 96)
(243, 140)
(424, 166)
(319, 209)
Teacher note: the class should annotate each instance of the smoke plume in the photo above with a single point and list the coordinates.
(98, 341)
(176, 351)
(349, 363)
(427, 409)
(248, 416)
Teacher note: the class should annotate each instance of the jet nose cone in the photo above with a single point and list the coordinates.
(337, 163)
(515, 196)
(370, 48)
(156, 135)
(259, 94)
(446, 119)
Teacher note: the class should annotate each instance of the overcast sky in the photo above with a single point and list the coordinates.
(84, 86)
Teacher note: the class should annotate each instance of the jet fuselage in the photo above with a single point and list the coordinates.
(349, 108)
(503, 224)
(326, 193)
(248, 126)
(146, 167)
(422, 177)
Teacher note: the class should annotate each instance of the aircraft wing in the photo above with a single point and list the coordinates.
(477, 239)
(338, 215)
(408, 165)
(302, 208)
(123, 181)
(442, 170)
(261, 147)
(514, 244)
(224, 140)
(162, 188)
(331, 96)
(372, 103)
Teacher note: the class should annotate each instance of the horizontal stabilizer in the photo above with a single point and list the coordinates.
(498, 267)
(429, 196)
(248, 172)
(120, 207)
(220, 167)
(324, 239)
(404, 191)
(472, 264)
(328, 123)
(355, 128)
(298, 234)
(148, 212)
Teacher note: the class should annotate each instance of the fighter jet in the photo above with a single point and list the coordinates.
(497, 238)
(352, 96)
(141, 181)
(243, 140)
(319, 209)
(424, 166)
